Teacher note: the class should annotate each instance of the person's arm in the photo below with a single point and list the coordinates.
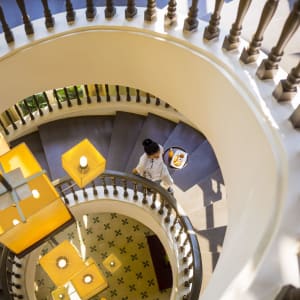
(139, 169)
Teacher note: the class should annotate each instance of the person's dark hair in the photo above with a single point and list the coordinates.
(150, 147)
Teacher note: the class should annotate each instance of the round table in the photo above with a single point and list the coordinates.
(167, 159)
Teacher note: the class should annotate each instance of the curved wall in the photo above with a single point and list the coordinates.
(202, 83)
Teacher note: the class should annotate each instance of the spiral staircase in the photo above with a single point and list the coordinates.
(118, 137)
(223, 86)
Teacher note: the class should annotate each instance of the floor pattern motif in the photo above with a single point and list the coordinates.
(98, 236)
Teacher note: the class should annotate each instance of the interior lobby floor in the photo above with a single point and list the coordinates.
(100, 235)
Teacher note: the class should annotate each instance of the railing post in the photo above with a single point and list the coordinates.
(131, 10)
(128, 97)
(70, 16)
(57, 99)
(148, 98)
(150, 12)
(11, 121)
(48, 103)
(19, 114)
(118, 93)
(77, 95)
(250, 54)
(4, 128)
(97, 93)
(288, 292)
(28, 109)
(286, 89)
(107, 93)
(90, 10)
(191, 22)
(232, 41)
(49, 20)
(9, 37)
(138, 96)
(212, 31)
(104, 186)
(135, 195)
(170, 16)
(41, 113)
(110, 10)
(67, 97)
(87, 93)
(295, 117)
(26, 20)
(268, 67)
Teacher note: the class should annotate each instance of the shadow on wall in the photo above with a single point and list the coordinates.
(212, 188)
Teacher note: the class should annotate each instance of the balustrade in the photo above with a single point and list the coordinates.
(118, 96)
(171, 16)
(131, 9)
(20, 115)
(87, 94)
(9, 37)
(212, 31)
(26, 20)
(90, 10)
(49, 20)
(191, 22)
(250, 54)
(286, 89)
(70, 16)
(268, 67)
(11, 121)
(232, 41)
(36, 102)
(47, 101)
(181, 231)
(150, 12)
(79, 102)
(28, 108)
(67, 97)
(110, 10)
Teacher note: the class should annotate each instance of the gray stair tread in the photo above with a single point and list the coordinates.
(201, 162)
(184, 136)
(215, 237)
(211, 187)
(34, 143)
(126, 129)
(155, 128)
(59, 136)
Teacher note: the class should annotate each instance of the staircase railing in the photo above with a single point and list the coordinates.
(9, 288)
(140, 191)
(286, 89)
(34, 108)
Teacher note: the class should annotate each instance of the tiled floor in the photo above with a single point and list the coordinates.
(98, 236)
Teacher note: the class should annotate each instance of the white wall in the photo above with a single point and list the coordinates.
(208, 86)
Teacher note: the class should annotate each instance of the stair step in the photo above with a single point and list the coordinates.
(154, 127)
(34, 143)
(201, 162)
(126, 129)
(59, 136)
(186, 137)
(213, 188)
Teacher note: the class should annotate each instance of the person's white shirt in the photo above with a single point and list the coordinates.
(154, 169)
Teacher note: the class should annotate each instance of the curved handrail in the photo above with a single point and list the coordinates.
(44, 106)
(168, 206)
(169, 203)
(7, 274)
